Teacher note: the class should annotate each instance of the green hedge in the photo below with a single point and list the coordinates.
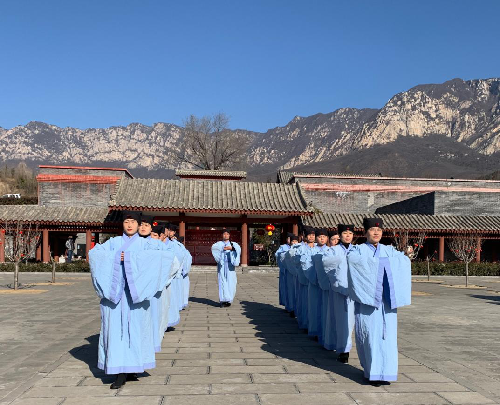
(455, 269)
(80, 266)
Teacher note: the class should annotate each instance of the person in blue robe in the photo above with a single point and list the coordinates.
(314, 295)
(303, 254)
(186, 267)
(320, 285)
(127, 271)
(176, 286)
(379, 281)
(227, 256)
(290, 275)
(280, 261)
(341, 305)
(334, 238)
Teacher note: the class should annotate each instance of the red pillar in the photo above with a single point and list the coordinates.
(45, 246)
(244, 244)
(478, 250)
(295, 229)
(182, 229)
(38, 254)
(88, 242)
(441, 249)
(2, 246)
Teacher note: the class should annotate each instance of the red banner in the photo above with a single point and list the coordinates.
(199, 243)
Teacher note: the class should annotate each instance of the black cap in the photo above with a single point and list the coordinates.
(332, 233)
(345, 227)
(149, 219)
(294, 237)
(158, 229)
(372, 222)
(173, 227)
(321, 231)
(308, 230)
(132, 215)
(226, 230)
(167, 225)
(289, 235)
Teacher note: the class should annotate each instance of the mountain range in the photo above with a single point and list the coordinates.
(433, 130)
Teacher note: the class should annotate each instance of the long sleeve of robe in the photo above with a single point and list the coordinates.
(280, 261)
(227, 261)
(314, 296)
(301, 286)
(290, 279)
(186, 268)
(323, 288)
(126, 341)
(379, 282)
(335, 263)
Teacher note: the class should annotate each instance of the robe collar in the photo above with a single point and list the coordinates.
(375, 250)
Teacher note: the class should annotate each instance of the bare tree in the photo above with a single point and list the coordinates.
(20, 243)
(465, 247)
(410, 245)
(210, 145)
(428, 259)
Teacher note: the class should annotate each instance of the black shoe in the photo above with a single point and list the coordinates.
(222, 304)
(292, 314)
(316, 339)
(379, 383)
(228, 304)
(170, 329)
(132, 377)
(343, 358)
(120, 381)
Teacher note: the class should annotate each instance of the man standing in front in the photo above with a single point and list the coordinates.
(70, 246)
(227, 255)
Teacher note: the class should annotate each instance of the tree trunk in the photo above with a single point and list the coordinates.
(428, 271)
(16, 275)
(53, 271)
(467, 274)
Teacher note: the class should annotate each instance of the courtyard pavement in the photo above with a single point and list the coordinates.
(249, 353)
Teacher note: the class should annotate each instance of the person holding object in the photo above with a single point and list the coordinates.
(379, 281)
(227, 255)
(127, 271)
(70, 247)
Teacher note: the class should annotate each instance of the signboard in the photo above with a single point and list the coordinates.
(199, 243)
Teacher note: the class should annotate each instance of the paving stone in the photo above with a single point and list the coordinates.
(38, 401)
(290, 378)
(59, 382)
(243, 399)
(253, 388)
(68, 392)
(338, 387)
(425, 387)
(209, 362)
(121, 400)
(211, 379)
(426, 377)
(301, 399)
(426, 398)
(247, 369)
(171, 389)
(466, 398)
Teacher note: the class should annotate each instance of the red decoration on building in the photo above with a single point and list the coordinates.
(270, 228)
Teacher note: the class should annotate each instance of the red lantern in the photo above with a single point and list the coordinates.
(270, 228)
(155, 223)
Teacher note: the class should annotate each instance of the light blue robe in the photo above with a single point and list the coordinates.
(126, 340)
(327, 330)
(379, 281)
(291, 278)
(314, 296)
(280, 260)
(226, 260)
(186, 268)
(343, 307)
(301, 284)
(176, 286)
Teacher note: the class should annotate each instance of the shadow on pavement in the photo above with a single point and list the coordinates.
(493, 299)
(281, 336)
(205, 301)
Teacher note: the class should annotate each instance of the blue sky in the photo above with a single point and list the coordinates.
(88, 63)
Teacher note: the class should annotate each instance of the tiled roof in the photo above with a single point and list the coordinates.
(56, 215)
(211, 173)
(448, 223)
(210, 196)
(288, 176)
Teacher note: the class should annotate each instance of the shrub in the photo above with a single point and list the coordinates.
(455, 269)
(80, 266)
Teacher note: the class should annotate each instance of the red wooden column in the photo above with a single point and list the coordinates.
(2, 246)
(88, 242)
(244, 244)
(38, 254)
(441, 249)
(295, 229)
(45, 246)
(182, 229)
(478, 251)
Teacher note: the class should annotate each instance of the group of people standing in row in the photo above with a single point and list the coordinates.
(142, 278)
(333, 289)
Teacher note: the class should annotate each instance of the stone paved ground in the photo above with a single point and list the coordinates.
(250, 353)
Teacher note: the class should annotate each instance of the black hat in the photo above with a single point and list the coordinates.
(158, 229)
(132, 215)
(173, 227)
(226, 230)
(167, 225)
(345, 227)
(289, 234)
(372, 222)
(308, 230)
(149, 219)
(332, 233)
(294, 237)
(181, 239)
(321, 231)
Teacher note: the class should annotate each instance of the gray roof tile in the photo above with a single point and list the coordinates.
(211, 173)
(55, 215)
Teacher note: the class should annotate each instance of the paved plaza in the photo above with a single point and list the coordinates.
(249, 353)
